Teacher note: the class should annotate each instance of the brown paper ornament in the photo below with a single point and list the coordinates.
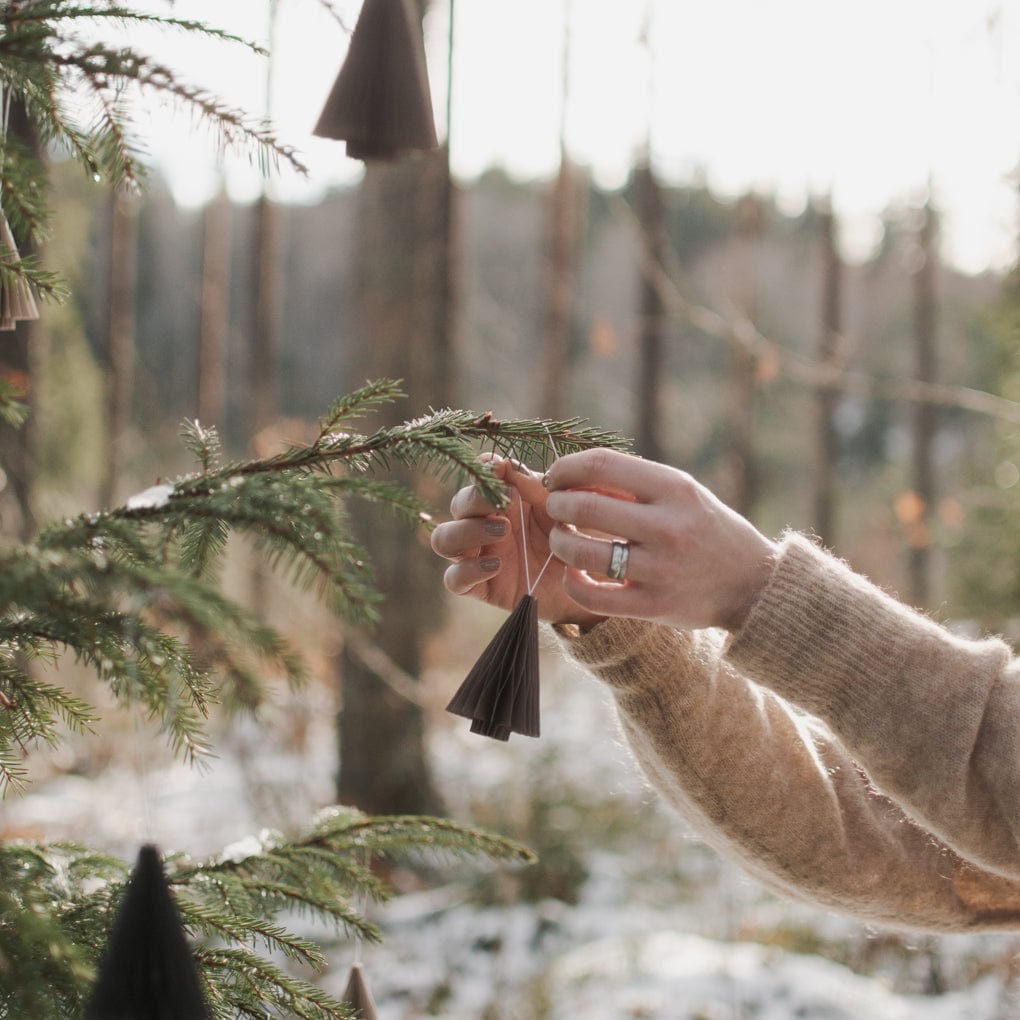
(501, 693)
(358, 995)
(380, 103)
(16, 301)
(147, 971)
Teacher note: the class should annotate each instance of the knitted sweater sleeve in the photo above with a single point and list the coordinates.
(774, 787)
(934, 719)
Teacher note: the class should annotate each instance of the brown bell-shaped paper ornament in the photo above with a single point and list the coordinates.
(358, 995)
(380, 103)
(147, 971)
(500, 694)
(16, 301)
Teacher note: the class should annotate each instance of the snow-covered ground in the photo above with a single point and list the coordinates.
(629, 919)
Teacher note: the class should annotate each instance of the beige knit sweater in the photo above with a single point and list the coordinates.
(848, 751)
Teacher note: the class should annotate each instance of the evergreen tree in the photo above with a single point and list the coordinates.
(133, 593)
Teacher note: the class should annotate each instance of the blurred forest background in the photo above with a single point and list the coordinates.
(870, 402)
(724, 335)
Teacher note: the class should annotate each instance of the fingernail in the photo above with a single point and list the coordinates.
(517, 466)
(545, 479)
(495, 527)
(489, 565)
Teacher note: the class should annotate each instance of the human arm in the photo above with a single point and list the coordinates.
(765, 784)
(935, 719)
(759, 780)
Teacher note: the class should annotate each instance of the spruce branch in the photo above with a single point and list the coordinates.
(13, 409)
(45, 13)
(131, 592)
(76, 91)
(109, 67)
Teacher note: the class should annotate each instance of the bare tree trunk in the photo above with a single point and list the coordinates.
(924, 414)
(446, 331)
(651, 368)
(120, 350)
(826, 399)
(383, 767)
(263, 368)
(742, 365)
(212, 375)
(264, 355)
(561, 289)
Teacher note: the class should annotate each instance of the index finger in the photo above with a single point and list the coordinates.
(607, 471)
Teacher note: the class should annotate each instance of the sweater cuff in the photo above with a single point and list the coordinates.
(625, 653)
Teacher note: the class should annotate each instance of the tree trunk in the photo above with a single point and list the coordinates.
(401, 287)
(826, 399)
(561, 290)
(215, 324)
(742, 365)
(651, 368)
(924, 413)
(120, 350)
(267, 308)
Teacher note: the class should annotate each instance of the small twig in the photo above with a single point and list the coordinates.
(382, 666)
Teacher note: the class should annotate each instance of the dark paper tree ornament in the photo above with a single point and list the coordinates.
(358, 996)
(147, 971)
(380, 103)
(16, 301)
(501, 693)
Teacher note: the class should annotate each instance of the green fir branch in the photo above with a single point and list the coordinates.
(46, 13)
(131, 592)
(45, 285)
(240, 983)
(107, 66)
(13, 409)
(24, 202)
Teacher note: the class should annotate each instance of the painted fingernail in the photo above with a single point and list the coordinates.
(495, 527)
(489, 565)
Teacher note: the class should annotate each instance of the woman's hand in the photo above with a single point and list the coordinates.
(693, 562)
(485, 546)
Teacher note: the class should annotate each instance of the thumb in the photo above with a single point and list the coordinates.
(528, 484)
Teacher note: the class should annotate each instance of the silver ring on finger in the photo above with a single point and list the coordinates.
(618, 561)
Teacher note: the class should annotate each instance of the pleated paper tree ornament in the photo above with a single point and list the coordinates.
(501, 693)
(147, 971)
(16, 301)
(380, 103)
(358, 996)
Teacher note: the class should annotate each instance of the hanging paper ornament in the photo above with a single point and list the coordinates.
(16, 301)
(500, 695)
(147, 971)
(380, 103)
(358, 995)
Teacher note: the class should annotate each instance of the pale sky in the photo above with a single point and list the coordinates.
(869, 101)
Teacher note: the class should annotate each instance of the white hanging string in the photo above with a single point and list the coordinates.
(524, 532)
